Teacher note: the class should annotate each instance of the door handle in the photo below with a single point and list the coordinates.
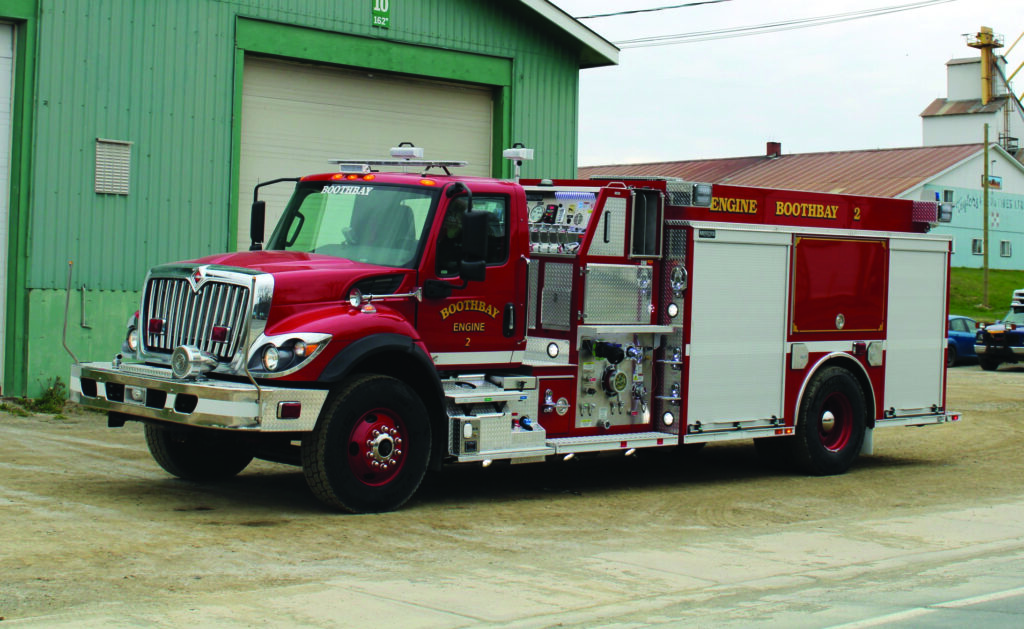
(508, 328)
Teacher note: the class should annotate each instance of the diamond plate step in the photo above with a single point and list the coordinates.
(478, 392)
(600, 443)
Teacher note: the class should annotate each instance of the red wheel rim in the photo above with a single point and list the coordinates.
(836, 425)
(376, 447)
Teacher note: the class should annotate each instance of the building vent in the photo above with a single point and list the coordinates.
(113, 166)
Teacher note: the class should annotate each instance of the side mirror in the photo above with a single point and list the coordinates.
(256, 219)
(458, 188)
(472, 271)
(474, 235)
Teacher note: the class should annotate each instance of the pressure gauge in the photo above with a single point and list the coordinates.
(536, 213)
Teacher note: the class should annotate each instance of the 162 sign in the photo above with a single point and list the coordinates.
(382, 13)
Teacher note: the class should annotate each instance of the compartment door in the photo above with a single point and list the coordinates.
(916, 339)
(737, 349)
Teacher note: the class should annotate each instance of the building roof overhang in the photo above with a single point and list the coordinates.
(946, 107)
(595, 51)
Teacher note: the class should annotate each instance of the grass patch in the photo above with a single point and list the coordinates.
(51, 401)
(966, 291)
(14, 409)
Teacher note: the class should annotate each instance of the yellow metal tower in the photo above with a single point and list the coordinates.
(986, 42)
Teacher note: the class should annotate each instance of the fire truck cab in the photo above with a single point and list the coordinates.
(398, 320)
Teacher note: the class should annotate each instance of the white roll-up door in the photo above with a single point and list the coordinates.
(6, 98)
(738, 296)
(297, 116)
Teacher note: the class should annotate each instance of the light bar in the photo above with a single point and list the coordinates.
(426, 163)
(350, 168)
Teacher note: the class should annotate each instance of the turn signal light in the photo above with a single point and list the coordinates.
(289, 410)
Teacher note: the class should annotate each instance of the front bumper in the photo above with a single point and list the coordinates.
(152, 393)
(999, 350)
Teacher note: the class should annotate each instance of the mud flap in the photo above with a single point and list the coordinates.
(868, 445)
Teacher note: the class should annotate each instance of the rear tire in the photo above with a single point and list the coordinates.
(370, 448)
(987, 363)
(950, 355)
(196, 455)
(831, 424)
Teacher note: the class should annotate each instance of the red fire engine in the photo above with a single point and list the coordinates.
(399, 321)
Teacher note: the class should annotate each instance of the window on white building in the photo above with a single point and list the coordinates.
(947, 196)
(976, 247)
(1005, 250)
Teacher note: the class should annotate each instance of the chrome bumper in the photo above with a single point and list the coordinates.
(152, 393)
(999, 350)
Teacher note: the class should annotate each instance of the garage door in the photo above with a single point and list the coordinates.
(297, 116)
(6, 91)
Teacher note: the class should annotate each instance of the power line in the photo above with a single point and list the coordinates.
(771, 27)
(674, 6)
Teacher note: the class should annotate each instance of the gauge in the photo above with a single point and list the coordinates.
(536, 213)
(578, 219)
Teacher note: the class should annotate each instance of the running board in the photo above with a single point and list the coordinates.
(604, 443)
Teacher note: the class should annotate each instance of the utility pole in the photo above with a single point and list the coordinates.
(984, 212)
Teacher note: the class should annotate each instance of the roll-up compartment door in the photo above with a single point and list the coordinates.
(737, 350)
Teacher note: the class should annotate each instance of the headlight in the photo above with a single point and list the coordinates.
(271, 358)
(130, 345)
(274, 356)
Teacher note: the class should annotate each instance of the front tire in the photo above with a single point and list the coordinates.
(987, 363)
(370, 448)
(196, 455)
(831, 424)
(950, 355)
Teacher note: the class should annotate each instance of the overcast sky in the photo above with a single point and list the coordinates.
(858, 84)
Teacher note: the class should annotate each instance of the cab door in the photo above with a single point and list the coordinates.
(483, 323)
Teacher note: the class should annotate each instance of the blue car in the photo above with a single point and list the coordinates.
(959, 339)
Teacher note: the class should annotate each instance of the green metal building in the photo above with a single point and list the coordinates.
(138, 128)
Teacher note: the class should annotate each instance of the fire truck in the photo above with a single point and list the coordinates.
(401, 318)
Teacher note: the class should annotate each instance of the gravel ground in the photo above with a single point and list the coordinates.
(90, 525)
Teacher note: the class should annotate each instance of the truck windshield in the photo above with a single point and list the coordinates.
(374, 223)
(1015, 316)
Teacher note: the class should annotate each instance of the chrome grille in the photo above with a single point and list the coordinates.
(189, 318)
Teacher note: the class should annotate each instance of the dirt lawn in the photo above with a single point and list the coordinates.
(89, 524)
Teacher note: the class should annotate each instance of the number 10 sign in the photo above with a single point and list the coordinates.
(382, 13)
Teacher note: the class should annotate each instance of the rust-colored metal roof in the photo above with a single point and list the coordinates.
(710, 170)
(944, 107)
(878, 172)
